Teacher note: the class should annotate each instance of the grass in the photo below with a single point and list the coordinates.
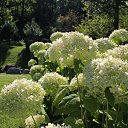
(9, 78)
(10, 53)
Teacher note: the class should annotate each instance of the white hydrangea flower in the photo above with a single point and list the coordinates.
(51, 82)
(21, 98)
(55, 36)
(36, 72)
(31, 62)
(119, 36)
(74, 82)
(118, 52)
(31, 120)
(72, 45)
(56, 126)
(104, 44)
(107, 72)
(36, 46)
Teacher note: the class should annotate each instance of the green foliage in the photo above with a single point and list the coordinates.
(32, 29)
(97, 26)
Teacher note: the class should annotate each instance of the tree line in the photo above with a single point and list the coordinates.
(37, 19)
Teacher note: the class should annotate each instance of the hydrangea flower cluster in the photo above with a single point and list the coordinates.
(51, 82)
(36, 72)
(118, 52)
(104, 44)
(21, 98)
(74, 82)
(31, 120)
(31, 62)
(37, 46)
(56, 126)
(107, 72)
(72, 45)
(119, 36)
(55, 36)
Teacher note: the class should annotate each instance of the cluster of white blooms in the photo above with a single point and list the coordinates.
(51, 82)
(107, 72)
(36, 72)
(37, 46)
(118, 52)
(72, 45)
(75, 82)
(55, 36)
(34, 121)
(119, 36)
(31, 62)
(104, 44)
(56, 126)
(21, 98)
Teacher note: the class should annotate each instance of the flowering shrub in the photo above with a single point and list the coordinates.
(104, 44)
(107, 72)
(21, 98)
(51, 82)
(34, 121)
(119, 36)
(70, 46)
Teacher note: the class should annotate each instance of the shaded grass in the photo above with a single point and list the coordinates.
(9, 78)
(11, 53)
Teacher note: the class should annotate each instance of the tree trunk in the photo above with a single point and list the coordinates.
(116, 14)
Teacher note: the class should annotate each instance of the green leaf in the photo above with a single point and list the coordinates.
(60, 96)
(74, 123)
(69, 104)
(45, 114)
(91, 104)
(110, 97)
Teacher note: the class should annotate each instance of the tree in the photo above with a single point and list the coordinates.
(112, 9)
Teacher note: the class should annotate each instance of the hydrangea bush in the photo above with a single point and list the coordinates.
(81, 82)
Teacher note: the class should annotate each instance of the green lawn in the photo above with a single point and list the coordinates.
(8, 78)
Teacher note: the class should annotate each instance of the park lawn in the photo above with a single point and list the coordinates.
(8, 78)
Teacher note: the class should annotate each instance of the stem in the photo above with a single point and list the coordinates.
(34, 121)
(107, 116)
(83, 115)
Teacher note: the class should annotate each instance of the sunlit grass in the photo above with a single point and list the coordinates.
(8, 78)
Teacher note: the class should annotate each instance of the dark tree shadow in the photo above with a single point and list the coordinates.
(23, 58)
(4, 52)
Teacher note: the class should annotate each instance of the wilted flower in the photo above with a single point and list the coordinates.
(21, 98)
(34, 121)
(51, 82)
(107, 72)
(72, 45)
(104, 44)
(119, 36)
(55, 36)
